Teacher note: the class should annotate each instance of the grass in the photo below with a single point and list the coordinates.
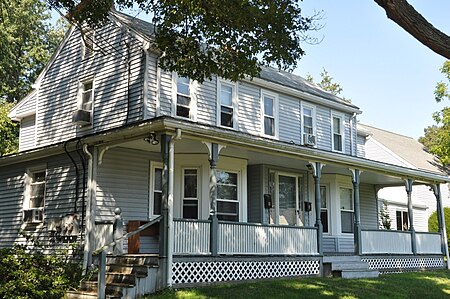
(424, 285)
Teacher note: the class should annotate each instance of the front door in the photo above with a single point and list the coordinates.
(287, 198)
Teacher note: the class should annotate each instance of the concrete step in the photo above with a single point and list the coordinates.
(351, 274)
(341, 258)
(339, 266)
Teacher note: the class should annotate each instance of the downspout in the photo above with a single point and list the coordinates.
(83, 164)
(90, 211)
(77, 179)
(353, 145)
(170, 232)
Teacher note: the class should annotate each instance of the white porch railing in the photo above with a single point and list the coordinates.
(191, 236)
(428, 243)
(245, 238)
(385, 242)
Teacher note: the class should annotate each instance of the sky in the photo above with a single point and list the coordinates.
(387, 73)
(382, 69)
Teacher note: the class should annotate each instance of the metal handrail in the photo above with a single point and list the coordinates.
(101, 286)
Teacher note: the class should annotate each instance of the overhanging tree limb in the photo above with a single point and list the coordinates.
(402, 13)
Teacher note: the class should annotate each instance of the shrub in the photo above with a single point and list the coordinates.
(433, 223)
(26, 272)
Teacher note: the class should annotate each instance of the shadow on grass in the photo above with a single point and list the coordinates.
(424, 285)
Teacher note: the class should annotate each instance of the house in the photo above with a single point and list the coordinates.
(381, 145)
(231, 180)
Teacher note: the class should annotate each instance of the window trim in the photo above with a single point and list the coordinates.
(275, 97)
(153, 165)
(234, 99)
(314, 122)
(327, 209)
(81, 83)
(342, 128)
(29, 174)
(198, 191)
(346, 210)
(193, 86)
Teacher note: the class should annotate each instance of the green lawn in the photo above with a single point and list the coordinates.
(424, 285)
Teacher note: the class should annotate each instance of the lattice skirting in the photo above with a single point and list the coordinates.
(404, 264)
(194, 272)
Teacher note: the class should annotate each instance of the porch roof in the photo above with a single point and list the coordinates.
(228, 137)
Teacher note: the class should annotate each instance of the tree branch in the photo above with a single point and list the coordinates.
(402, 13)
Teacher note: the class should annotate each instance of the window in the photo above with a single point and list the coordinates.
(324, 208)
(35, 196)
(157, 191)
(88, 42)
(183, 104)
(346, 199)
(227, 196)
(190, 194)
(269, 121)
(87, 95)
(338, 132)
(227, 101)
(402, 220)
(308, 120)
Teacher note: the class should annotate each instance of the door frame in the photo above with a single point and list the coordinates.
(298, 197)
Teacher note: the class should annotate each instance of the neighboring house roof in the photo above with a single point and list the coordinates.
(404, 147)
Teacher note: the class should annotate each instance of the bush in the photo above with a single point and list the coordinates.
(433, 223)
(26, 272)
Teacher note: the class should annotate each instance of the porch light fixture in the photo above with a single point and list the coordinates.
(152, 139)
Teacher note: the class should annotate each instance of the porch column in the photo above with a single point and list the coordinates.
(357, 218)
(164, 224)
(317, 170)
(441, 221)
(408, 186)
(213, 158)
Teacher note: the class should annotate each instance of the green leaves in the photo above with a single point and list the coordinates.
(200, 39)
(9, 131)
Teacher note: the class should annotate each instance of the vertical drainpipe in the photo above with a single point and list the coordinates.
(90, 208)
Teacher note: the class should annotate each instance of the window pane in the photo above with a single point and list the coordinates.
(190, 183)
(308, 121)
(337, 140)
(157, 202)
(37, 202)
(183, 85)
(336, 125)
(190, 209)
(87, 86)
(307, 112)
(346, 199)
(227, 192)
(224, 177)
(269, 126)
(158, 179)
(228, 210)
(268, 106)
(226, 116)
(287, 192)
(405, 221)
(183, 111)
(323, 197)
(324, 220)
(226, 95)
(347, 222)
(183, 100)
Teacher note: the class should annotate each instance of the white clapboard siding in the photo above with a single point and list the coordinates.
(360, 146)
(323, 124)
(27, 105)
(383, 241)
(264, 239)
(207, 102)
(289, 119)
(165, 96)
(27, 134)
(368, 206)
(152, 73)
(113, 98)
(249, 109)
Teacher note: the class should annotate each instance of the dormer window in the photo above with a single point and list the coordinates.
(269, 103)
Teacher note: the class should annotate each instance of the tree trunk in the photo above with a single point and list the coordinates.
(402, 13)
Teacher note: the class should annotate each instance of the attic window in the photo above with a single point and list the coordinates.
(86, 95)
(88, 42)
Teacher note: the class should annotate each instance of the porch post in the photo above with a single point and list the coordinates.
(357, 219)
(317, 170)
(441, 221)
(164, 224)
(408, 186)
(213, 158)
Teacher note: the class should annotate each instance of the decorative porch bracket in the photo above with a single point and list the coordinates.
(164, 224)
(316, 168)
(441, 221)
(408, 186)
(214, 150)
(357, 219)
